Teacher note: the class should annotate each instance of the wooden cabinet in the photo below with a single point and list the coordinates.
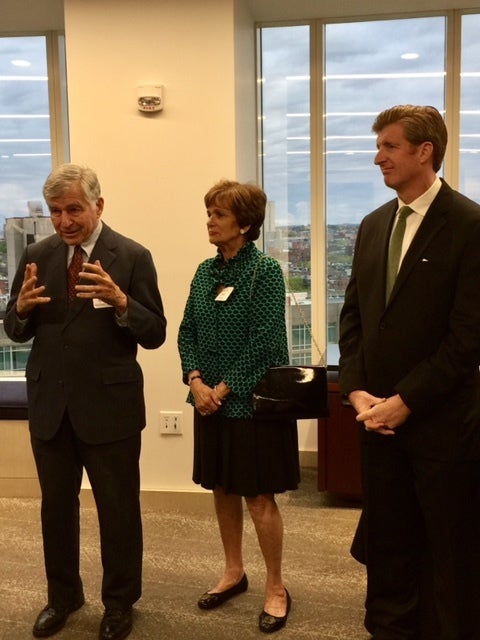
(339, 449)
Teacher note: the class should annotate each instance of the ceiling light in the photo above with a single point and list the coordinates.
(21, 63)
(409, 56)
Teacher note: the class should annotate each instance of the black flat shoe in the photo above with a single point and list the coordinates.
(212, 600)
(268, 623)
(116, 624)
(51, 620)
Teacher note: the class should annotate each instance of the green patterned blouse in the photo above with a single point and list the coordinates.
(239, 339)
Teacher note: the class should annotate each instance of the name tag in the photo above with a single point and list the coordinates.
(100, 304)
(224, 294)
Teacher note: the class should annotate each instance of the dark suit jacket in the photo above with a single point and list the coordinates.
(81, 359)
(425, 342)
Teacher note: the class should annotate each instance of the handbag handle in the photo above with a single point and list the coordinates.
(321, 353)
(305, 322)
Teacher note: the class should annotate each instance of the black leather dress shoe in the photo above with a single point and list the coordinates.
(268, 623)
(212, 600)
(51, 619)
(116, 624)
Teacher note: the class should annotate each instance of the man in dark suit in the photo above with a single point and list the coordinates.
(85, 391)
(409, 365)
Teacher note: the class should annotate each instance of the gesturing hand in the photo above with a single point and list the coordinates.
(30, 295)
(101, 286)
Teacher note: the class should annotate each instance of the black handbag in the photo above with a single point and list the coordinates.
(292, 391)
(297, 392)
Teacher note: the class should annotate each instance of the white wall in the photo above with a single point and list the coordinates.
(154, 169)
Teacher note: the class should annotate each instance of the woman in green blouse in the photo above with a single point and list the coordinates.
(232, 331)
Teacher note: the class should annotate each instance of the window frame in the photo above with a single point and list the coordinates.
(13, 397)
(318, 223)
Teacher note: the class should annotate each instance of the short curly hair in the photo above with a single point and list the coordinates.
(246, 201)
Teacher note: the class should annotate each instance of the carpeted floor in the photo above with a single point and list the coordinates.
(183, 558)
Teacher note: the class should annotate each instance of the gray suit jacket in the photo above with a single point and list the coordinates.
(81, 359)
(425, 342)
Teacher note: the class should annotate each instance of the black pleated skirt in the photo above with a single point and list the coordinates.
(245, 456)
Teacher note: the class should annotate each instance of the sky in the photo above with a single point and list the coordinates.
(369, 66)
(25, 159)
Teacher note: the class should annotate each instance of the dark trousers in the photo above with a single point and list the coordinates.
(411, 527)
(113, 471)
(467, 544)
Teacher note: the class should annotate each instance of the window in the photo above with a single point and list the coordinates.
(32, 139)
(407, 64)
(285, 69)
(469, 108)
(367, 66)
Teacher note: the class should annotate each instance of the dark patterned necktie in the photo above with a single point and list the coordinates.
(74, 269)
(395, 247)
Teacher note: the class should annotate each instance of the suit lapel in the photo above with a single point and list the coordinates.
(57, 267)
(381, 242)
(431, 224)
(104, 249)
(57, 277)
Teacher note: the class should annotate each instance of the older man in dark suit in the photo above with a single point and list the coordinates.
(85, 391)
(410, 354)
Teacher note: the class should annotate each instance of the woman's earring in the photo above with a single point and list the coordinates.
(242, 231)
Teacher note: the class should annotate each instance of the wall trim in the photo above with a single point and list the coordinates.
(308, 459)
(168, 499)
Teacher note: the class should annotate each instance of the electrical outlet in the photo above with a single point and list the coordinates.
(170, 423)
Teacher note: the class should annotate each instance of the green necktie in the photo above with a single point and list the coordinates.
(395, 247)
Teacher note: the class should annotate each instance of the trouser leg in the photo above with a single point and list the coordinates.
(60, 473)
(393, 539)
(413, 528)
(465, 515)
(113, 470)
(437, 485)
